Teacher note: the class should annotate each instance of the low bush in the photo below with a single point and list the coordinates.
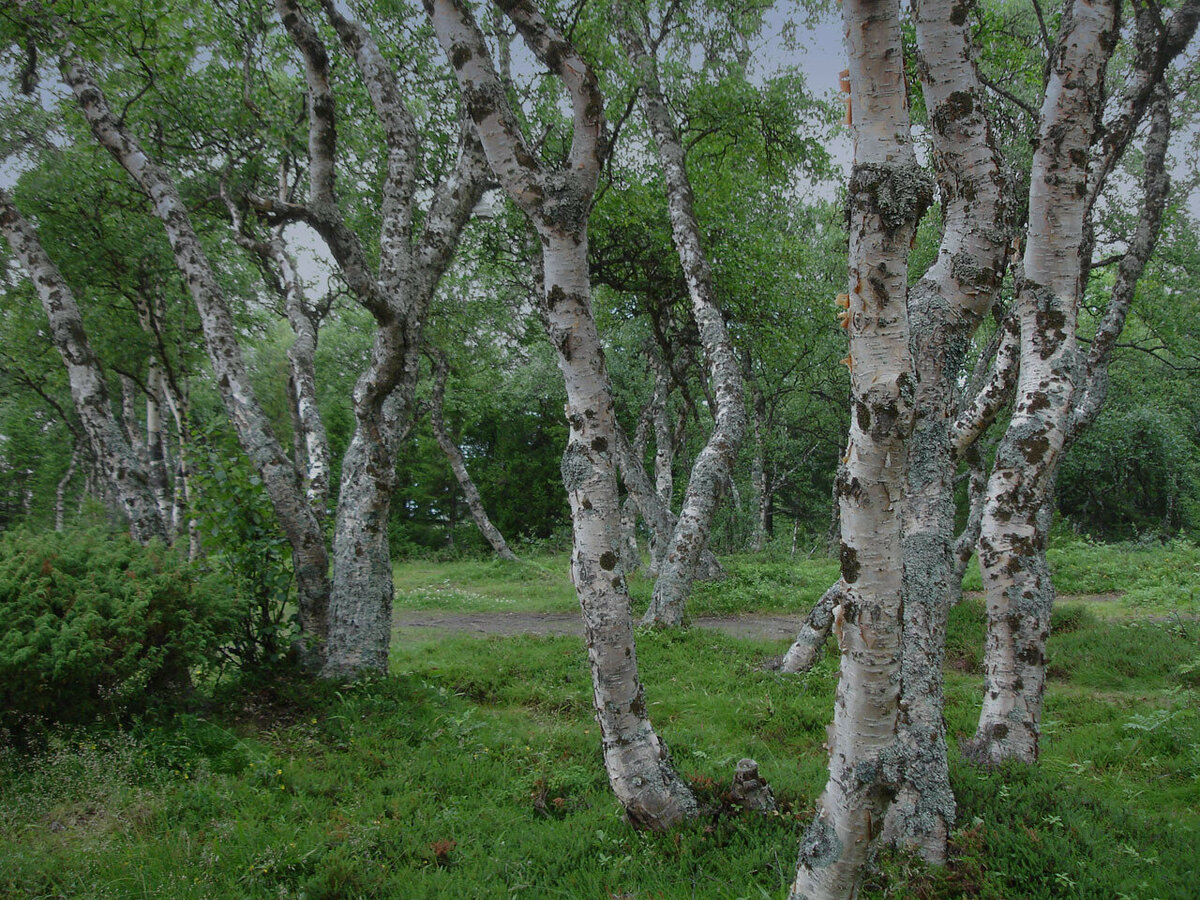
(95, 625)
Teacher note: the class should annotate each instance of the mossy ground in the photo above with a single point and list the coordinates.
(473, 770)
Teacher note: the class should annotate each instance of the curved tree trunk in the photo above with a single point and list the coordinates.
(397, 296)
(123, 470)
(310, 559)
(945, 308)
(714, 464)
(458, 466)
(1016, 578)
(557, 202)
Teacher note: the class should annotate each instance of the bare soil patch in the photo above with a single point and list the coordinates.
(512, 623)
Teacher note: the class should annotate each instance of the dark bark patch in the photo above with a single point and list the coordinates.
(850, 565)
(863, 416)
(600, 445)
(608, 560)
(958, 105)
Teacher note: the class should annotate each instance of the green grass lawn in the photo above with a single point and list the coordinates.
(474, 769)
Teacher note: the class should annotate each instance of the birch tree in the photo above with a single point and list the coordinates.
(1058, 386)
(397, 295)
(713, 467)
(889, 192)
(441, 370)
(110, 448)
(557, 201)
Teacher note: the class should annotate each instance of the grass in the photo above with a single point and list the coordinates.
(473, 770)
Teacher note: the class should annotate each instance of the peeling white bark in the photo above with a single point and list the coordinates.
(1012, 545)
(557, 201)
(889, 193)
(123, 470)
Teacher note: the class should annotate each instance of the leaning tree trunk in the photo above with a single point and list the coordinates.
(310, 559)
(458, 465)
(557, 202)
(889, 192)
(814, 631)
(713, 466)
(122, 468)
(1016, 578)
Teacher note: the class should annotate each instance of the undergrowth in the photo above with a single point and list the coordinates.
(474, 770)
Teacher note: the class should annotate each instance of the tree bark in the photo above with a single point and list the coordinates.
(156, 444)
(310, 559)
(714, 464)
(397, 296)
(945, 308)
(458, 466)
(1012, 545)
(889, 192)
(814, 631)
(557, 201)
(60, 493)
(122, 468)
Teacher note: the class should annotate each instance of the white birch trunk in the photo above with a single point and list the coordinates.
(714, 464)
(397, 296)
(156, 445)
(889, 193)
(945, 308)
(60, 493)
(1016, 578)
(557, 201)
(310, 559)
(814, 632)
(122, 468)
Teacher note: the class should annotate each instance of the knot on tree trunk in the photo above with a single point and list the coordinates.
(899, 193)
(750, 790)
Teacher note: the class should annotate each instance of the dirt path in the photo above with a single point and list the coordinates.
(483, 624)
(781, 628)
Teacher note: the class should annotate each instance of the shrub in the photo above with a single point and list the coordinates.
(245, 548)
(96, 625)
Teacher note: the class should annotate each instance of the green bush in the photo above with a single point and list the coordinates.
(96, 625)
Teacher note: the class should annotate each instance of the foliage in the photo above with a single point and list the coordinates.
(94, 625)
(243, 545)
(472, 771)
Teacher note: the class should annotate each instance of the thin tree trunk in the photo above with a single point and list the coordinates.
(156, 452)
(310, 559)
(458, 466)
(714, 464)
(814, 631)
(557, 202)
(889, 192)
(1016, 578)
(60, 493)
(122, 468)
